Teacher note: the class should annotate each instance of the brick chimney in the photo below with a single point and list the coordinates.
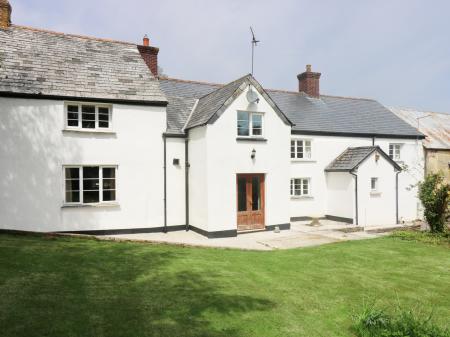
(309, 82)
(149, 54)
(5, 14)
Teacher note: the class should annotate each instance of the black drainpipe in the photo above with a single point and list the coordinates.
(165, 184)
(186, 178)
(356, 196)
(396, 196)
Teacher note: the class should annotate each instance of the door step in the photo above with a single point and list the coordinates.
(247, 231)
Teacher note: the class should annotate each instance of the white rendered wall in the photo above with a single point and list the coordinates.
(341, 194)
(176, 204)
(226, 157)
(33, 150)
(376, 208)
(326, 148)
(198, 192)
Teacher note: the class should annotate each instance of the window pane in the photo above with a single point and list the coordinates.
(297, 186)
(109, 172)
(72, 173)
(305, 187)
(256, 125)
(307, 150)
(391, 151)
(292, 150)
(243, 123)
(90, 197)
(292, 187)
(109, 184)
(256, 194)
(103, 117)
(91, 184)
(109, 195)
(88, 116)
(73, 196)
(242, 194)
(72, 115)
(300, 149)
(90, 172)
(72, 185)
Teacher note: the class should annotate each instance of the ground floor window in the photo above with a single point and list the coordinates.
(89, 184)
(300, 187)
(374, 184)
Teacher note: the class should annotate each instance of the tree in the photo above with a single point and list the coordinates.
(434, 194)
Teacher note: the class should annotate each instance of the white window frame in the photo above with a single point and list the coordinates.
(302, 194)
(396, 152)
(250, 124)
(375, 189)
(100, 191)
(296, 146)
(97, 127)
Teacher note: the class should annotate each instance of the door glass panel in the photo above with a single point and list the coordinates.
(242, 194)
(256, 194)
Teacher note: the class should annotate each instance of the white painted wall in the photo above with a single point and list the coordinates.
(176, 205)
(340, 194)
(33, 150)
(198, 192)
(226, 157)
(376, 208)
(326, 148)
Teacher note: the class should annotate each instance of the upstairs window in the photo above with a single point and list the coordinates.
(88, 117)
(300, 187)
(374, 184)
(301, 149)
(90, 184)
(395, 151)
(249, 124)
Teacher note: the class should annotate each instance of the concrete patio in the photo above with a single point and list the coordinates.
(301, 234)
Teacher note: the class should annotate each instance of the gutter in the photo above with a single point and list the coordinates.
(356, 196)
(165, 183)
(396, 197)
(186, 178)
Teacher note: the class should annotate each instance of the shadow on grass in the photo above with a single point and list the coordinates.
(70, 288)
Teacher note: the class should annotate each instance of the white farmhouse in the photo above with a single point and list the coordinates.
(92, 141)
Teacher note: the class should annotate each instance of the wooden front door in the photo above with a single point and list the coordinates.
(250, 202)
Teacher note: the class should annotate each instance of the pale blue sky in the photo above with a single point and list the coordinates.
(396, 51)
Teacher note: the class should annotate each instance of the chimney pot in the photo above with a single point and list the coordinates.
(146, 40)
(309, 82)
(5, 14)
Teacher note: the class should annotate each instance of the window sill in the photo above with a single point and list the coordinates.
(300, 197)
(103, 132)
(99, 205)
(375, 193)
(303, 161)
(251, 139)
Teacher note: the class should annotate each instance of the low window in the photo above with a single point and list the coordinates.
(395, 151)
(88, 116)
(90, 184)
(300, 187)
(249, 124)
(301, 149)
(374, 184)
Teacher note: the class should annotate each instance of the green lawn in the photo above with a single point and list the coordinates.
(74, 287)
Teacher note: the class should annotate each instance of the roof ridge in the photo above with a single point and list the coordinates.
(417, 110)
(351, 97)
(73, 35)
(223, 86)
(191, 81)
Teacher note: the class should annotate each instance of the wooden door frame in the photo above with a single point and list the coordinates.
(262, 191)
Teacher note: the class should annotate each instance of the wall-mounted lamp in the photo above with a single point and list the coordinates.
(176, 161)
(253, 154)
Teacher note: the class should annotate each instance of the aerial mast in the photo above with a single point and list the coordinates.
(254, 44)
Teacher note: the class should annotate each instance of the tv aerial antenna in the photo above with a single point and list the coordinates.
(254, 44)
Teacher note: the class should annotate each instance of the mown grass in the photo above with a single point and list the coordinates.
(74, 287)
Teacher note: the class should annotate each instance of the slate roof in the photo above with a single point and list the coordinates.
(352, 157)
(324, 115)
(435, 126)
(39, 62)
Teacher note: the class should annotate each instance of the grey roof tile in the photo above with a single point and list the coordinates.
(46, 63)
(352, 157)
(327, 114)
